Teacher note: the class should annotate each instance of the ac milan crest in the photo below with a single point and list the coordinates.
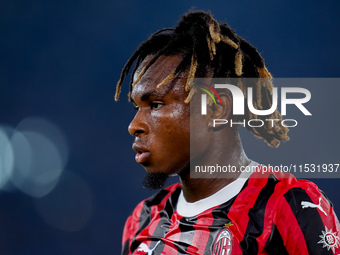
(223, 243)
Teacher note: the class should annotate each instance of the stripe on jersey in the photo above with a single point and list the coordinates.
(308, 219)
(256, 217)
(275, 245)
(200, 241)
(238, 213)
(220, 218)
(148, 213)
(270, 211)
(289, 229)
(186, 226)
(164, 224)
(131, 227)
(125, 248)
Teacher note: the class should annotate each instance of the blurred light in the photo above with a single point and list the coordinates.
(6, 158)
(49, 130)
(40, 154)
(69, 206)
(38, 164)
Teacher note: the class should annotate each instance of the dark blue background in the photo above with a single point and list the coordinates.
(60, 60)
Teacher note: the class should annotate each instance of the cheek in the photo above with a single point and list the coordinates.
(180, 120)
(179, 133)
(172, 127)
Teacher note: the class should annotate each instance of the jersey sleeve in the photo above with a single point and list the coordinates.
(130, 229)
(304, 223)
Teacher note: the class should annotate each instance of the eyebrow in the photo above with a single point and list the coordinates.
(148, 94)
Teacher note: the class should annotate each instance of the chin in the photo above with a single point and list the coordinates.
(154, 180)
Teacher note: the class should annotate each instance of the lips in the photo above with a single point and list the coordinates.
(142, 153)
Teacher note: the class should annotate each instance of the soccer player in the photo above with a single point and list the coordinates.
(240, 214)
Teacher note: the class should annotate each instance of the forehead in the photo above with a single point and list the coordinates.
(155, 74)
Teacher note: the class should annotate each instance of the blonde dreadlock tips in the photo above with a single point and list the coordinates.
(167, 79)
(209, 42)
(264, 73)
(213, 47)
(258, 95)
(139, 76)
(215, 35)
(238, 63)
(191, 73)
(191, 93)
(226, 40)
(118, 88)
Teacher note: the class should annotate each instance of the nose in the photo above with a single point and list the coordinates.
(138, 125)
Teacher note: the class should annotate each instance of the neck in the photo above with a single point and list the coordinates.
(195, 189)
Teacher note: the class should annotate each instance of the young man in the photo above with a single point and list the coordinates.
(239, 214)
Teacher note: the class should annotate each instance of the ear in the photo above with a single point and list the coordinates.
(221, 111)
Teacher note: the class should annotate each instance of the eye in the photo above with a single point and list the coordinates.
(156, 104)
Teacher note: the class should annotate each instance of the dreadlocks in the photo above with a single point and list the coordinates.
(206, 45)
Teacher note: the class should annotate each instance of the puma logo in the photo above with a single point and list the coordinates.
(143, 247)
(306, 204)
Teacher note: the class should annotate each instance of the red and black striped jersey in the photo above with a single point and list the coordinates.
(278, 214)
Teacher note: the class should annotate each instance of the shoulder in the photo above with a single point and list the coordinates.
(295, 213)
(284, 184)
(300, 203)
(297, 190)
(304, 199)
(283, 193)
(305, 210)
